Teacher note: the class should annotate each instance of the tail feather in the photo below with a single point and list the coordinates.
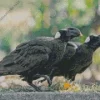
(3, 70)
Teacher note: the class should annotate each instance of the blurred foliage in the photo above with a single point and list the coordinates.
(6, 42)
(48, 17)
(52, 15)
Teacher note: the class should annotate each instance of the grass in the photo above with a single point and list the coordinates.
(15, 84)
(75, 87)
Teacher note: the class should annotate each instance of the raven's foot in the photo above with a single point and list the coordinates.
(35, 87)
(46, 77)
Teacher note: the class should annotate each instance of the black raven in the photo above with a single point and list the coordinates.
(78, 62)
(29, 58)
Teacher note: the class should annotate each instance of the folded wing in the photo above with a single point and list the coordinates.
(25, 57)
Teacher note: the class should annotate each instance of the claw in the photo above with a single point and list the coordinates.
(46, 77)
(35, 87)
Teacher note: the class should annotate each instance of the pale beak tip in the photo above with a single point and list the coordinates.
(81, 34)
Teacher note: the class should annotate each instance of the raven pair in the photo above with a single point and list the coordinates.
(50, 56)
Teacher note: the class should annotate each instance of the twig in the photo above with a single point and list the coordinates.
(9, 10)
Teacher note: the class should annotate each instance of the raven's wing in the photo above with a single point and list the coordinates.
(25, 57)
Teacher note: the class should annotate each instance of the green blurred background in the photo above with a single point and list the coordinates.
(32, 18)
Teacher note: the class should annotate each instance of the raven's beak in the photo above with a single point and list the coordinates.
(81, 34)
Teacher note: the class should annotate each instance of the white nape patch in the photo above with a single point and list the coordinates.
(73, 44)
(57, 35)
(87, 40)
(64, 29)
(94, 35)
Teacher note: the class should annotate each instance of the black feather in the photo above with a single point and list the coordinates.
(36, 56)
(80, 61)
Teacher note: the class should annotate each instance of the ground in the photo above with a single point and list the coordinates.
(14, 83)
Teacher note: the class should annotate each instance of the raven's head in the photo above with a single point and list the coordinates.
(93, 41)
(67, 34)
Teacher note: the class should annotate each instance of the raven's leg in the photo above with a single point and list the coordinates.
(29, 80)
(52, 73)
(71, 77)
(49, 77)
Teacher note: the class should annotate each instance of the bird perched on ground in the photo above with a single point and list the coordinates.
(29, 58)
(78, 62)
